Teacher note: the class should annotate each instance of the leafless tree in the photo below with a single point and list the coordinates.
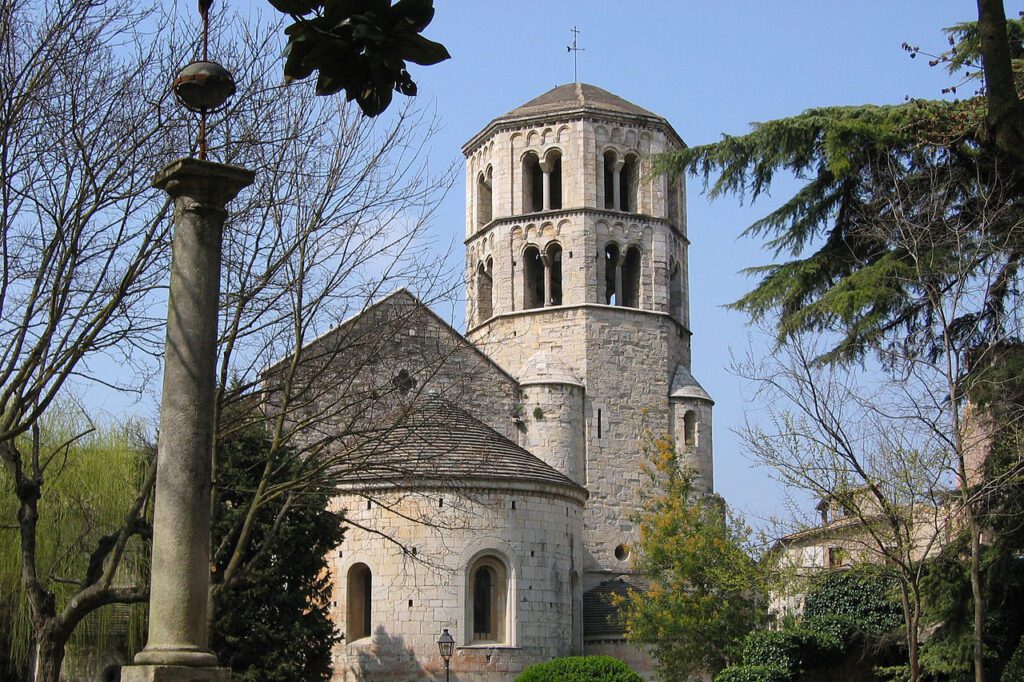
(868, 452)
(83, 243)
(338, 215)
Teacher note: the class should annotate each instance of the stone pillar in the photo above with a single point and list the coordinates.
(546, 169)
(545, 258)
(618, 274)
(617, 185)
(177, 649)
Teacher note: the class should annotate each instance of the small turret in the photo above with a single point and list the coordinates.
(691, 427)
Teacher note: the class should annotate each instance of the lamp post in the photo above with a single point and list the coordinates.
(446, 644)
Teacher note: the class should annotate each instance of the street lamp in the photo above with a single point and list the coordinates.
(446, 644)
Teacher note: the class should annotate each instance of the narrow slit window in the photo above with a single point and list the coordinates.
(360, 604)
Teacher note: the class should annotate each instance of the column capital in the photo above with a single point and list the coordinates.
(208, 183)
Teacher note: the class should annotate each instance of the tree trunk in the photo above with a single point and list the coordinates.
(49, 657)
(979, 612)
(910, 623)
(1005, 120)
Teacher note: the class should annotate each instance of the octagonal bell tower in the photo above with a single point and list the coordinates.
(576, 271)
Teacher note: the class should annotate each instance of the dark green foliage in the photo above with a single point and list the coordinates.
(283, 598)
(893, 673)
(752, 673)
(948, 652)
(793, 651)
(580, 669)
(837, 627)
(841, 611)
(869, 171)
(359, 46)
(1014, 670)
(772, 649)
(854, 601)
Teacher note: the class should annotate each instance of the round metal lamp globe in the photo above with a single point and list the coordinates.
(203, 85)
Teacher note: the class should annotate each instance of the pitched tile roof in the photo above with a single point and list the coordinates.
(438, 441)
(578, 96)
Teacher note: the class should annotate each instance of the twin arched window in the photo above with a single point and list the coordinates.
(487, 601)
(542, 182)
(542, 276)
(622, 276)
(621, 178)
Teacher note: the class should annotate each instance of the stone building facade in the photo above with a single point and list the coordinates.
(501, 506)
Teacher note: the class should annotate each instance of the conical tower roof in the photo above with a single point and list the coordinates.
(578, 96)
(578, 99)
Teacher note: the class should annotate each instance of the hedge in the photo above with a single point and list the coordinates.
(580, 669)
(753, 673)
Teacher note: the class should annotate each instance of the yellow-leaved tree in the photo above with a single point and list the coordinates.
(705, 588)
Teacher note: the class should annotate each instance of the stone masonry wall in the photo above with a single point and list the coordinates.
(626, 358)
(420, 585)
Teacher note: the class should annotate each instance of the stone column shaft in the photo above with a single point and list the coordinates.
(618, 276)
(546, 169)
(617, 186)
(180, 572)
(546, 260)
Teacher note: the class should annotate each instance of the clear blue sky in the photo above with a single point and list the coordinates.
(709, 68)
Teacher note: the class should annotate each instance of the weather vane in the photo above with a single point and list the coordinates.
(575, 51)
(203, 86)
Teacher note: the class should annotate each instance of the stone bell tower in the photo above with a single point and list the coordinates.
(576, 270)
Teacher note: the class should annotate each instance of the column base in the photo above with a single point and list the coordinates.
(173, 673)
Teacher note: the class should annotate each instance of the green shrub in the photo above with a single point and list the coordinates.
(817, 648)
(791, 651)
(892, 673)
(865, 602)
(752, 673)
(836, 627)
(1014, 670)
(771, 649)
(580, 669)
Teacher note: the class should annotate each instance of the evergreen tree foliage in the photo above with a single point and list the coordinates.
(283, 596)
(839, 272)
(705, 588)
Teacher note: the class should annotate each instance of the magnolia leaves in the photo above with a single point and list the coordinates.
(359, 46)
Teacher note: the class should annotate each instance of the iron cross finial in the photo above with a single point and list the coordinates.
(575, 49)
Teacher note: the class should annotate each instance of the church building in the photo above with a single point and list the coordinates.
(501, 508)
